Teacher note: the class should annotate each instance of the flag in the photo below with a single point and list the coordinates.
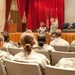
(56, 19)
(47, 20)
(2, 14)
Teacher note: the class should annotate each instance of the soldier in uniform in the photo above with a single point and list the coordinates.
(7, 42)
(4, 55)
(41, 43)
(53, 26)
(73, 43)
(58, 41)
(28, 54)
(66, 63)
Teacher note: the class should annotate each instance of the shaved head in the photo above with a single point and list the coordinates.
(58, 32)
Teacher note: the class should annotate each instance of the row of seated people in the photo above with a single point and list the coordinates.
(28, 54)
(57, 42)
(64, 62)
(56, 39)
(56, 36)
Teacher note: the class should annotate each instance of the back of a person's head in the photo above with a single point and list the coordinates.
(58, 33)
(28, 31)
(41, 39)
(27, 40)
(6, 36)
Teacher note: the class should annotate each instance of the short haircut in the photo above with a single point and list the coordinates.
(58, 32)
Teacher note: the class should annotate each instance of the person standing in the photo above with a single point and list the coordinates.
(53, 26)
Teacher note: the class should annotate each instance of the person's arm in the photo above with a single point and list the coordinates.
(39, 30)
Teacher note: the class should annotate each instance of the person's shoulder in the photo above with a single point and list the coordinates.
(3, 52)
(6, 55)
(49, 47)
(73, 41)
(64, 40)
(66, 60)
(40, 55)
(40, 27)
(53, 41)
(19, 54)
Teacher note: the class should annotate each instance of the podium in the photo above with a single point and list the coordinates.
(12, 27)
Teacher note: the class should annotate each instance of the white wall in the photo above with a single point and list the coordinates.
(69, 11)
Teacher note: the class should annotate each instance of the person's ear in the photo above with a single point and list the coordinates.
(21, 44)
(34, 43)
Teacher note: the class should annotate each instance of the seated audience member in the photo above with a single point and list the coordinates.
(58, 41)
(30, 31)
(73, 43)
(7, 42)
(41, 43)
(42, 28)
(28, 55)
(4, 55)
(68, 63)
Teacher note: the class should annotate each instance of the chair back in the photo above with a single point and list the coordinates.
(52, 70)
(72, 49)
(2, 69)
(14, 51)
(61, 48)
(56, 56)
(19, 68)
(44, 52)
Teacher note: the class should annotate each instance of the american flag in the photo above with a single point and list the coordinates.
(56, 19)
(47, 21)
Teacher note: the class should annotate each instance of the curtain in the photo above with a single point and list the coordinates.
(21, 8)
(8, 5)
(36, 12)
